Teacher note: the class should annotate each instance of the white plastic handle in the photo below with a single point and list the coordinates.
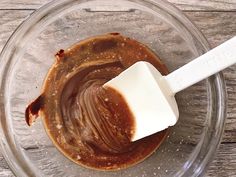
(204, 66)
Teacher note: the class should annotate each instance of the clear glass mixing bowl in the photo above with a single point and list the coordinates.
(29, 54)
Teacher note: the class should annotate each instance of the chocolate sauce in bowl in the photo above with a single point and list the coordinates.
(89, 124)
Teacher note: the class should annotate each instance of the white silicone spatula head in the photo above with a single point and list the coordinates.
(153, 105)
(150, 96)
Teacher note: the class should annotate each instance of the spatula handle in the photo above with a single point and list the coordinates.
(204, 66)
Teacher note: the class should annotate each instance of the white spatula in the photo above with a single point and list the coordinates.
(150, 96)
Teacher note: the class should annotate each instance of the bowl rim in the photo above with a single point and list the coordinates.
(5, 59)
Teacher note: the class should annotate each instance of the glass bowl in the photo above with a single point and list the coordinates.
(28, 55)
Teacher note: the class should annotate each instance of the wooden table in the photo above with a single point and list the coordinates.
(215, 18)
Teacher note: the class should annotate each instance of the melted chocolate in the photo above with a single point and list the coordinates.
(89, 124)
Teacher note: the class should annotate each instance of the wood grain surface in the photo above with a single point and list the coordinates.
(190, 5)
(215, 18)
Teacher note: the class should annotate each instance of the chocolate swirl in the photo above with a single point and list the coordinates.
(89, 124)
(87, 109)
